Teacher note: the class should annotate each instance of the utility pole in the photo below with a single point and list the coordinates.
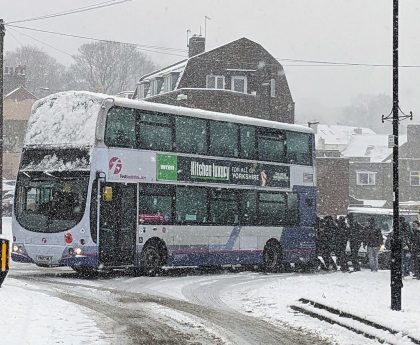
(396, 248)
(1, 120)
(396, 243)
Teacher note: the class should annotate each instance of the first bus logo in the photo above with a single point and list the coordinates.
(115, 165)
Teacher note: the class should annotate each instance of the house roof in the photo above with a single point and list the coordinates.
(339, 135)
(21, 93)
(373, 146)
(181, 65)
(177, 67)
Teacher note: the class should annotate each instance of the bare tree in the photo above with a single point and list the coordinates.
(43, 73)
(108, 67)
(366, 110)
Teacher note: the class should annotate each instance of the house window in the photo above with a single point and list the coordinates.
(215, 82)
(167, 83)
(414, 178)
(366, 178)
(142, 91)
(273, 87)
(153, 87)
(239, 84)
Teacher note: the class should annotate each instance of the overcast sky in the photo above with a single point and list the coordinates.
(325, 30)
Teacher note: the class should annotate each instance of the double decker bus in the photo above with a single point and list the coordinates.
(106, 182)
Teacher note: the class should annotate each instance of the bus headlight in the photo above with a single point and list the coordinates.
(75, 251)
(19, 249)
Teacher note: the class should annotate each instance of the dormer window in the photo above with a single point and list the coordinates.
(239, 84)
(143, 88)
(155, 86)
(215, 82)
(167, 83)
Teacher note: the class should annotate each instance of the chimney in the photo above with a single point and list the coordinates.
(196, 45)
(413, 133)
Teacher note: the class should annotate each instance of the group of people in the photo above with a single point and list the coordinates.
(410, 237)
(333, 235)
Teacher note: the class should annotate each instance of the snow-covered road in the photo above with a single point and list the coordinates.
(196, 307)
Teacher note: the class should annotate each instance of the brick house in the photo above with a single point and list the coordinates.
(17, 106)
(372, 181)
(240, 77)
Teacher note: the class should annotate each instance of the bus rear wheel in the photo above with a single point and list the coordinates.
(152, 258)
(272, 256)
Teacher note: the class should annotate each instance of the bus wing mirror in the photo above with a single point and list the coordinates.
(107, 194)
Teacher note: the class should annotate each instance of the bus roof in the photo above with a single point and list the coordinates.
(68, 119)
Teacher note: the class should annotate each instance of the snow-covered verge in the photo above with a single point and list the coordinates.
(7, 228)
(30, 317)
(365, 294)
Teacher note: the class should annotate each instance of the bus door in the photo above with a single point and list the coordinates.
(117, 224)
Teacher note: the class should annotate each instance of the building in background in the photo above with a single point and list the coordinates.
(17, 104)
(240, 77)
(369, 168)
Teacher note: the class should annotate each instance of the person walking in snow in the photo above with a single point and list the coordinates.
(319, 237)
(374, 241)
(356, 234)
(407, 239)
(328, 242)
(416, 248)
(341, 238)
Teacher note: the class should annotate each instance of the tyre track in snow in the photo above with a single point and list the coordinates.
(213, 322)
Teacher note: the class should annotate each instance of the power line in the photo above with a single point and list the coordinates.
(42, 42)
(76, 10)
(169, 51)
(152, 49)
(321, 63)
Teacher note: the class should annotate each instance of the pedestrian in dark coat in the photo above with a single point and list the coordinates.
(319, 237)
(341, 239)
(374, 241)
(328, 242)
(416, 248)
(356, 236)
(407, 239)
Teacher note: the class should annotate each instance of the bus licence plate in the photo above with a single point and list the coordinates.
(44, 258)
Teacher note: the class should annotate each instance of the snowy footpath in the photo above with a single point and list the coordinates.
(365, 294)
(31, 317)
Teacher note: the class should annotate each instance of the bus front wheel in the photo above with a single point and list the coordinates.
(272, 256)
(153, 258)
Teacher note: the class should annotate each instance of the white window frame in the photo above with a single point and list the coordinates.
(273, 87)
(415, 174)
(216, 79)
(240, 77)
(141, 91)
(153, 90)
(370, 174)
(167, 83)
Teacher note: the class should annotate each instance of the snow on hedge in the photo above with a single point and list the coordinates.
(66, 119)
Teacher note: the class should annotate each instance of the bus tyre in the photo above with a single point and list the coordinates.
(152, 258)
(272, 256)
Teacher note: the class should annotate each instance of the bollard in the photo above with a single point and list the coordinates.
(4, 259)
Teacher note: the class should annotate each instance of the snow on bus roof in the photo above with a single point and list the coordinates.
(65, 119)
(68, 119)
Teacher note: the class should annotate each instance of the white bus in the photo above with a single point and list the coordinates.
(107, 182)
